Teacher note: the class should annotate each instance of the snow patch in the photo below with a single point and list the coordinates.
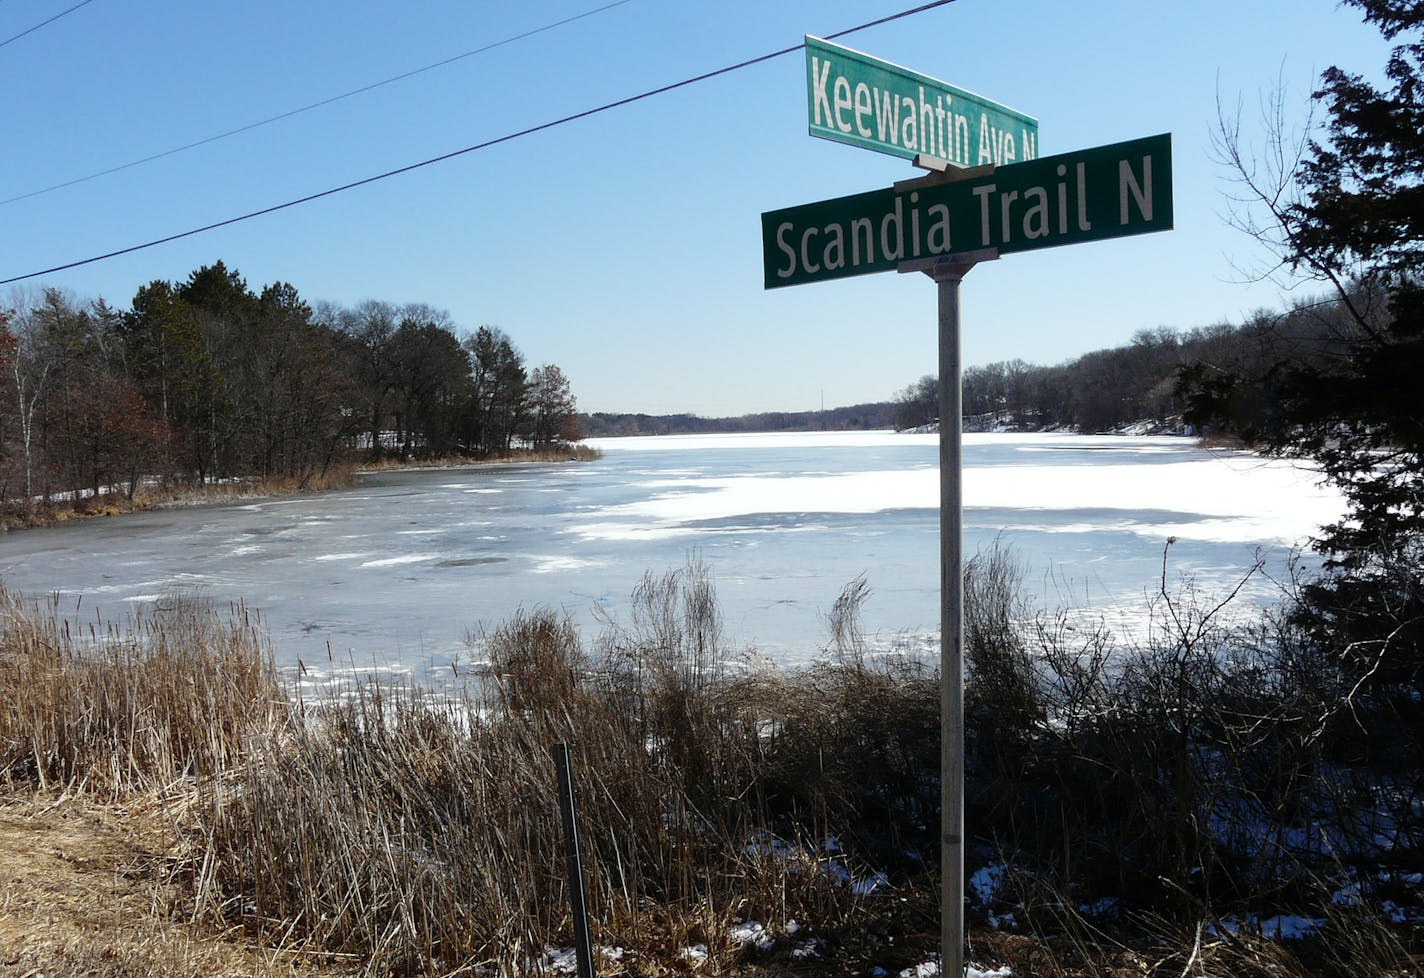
(930, 969)
(1289, 927)
(874, 884)
(757, 440)
(1201, 497)
(807, 949)
(1281, 927)
(753, 933)
(553, 564)
(985, 883)
(402, 559)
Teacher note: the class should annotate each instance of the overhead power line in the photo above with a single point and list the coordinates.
(307, 108)
(607, 106)
(8, 40)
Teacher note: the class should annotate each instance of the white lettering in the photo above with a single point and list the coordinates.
(818, 91)
(862, 109)
(842, 97)
(982, 192)
(836, 243)
(887, 127)
(1035, 219)
(1083, 223)
(806, 253)
(939, 228)
(862, 224)
(1062, 200)
(1004, 203)
(1141, 192)
(928, 137)
(986, 143)
(914, 225)
(786, 249)
(908, 137)
(896, 217)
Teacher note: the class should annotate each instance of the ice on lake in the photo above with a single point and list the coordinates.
(401, 569)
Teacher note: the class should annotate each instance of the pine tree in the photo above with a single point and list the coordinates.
(1355, 222)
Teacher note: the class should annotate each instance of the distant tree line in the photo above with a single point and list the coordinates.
(208, 379)
(1155, 378)
(857, 417)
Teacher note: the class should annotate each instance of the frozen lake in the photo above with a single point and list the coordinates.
(400, 569)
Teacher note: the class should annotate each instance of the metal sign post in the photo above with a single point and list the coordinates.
(947, 277)
(578, 899)
(948, 273)
(951, 622)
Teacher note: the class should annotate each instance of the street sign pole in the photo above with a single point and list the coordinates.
(951, 624)
(947, 274)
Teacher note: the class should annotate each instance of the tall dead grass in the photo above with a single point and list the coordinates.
(425, 832)
(184, 693)
(1145, 797)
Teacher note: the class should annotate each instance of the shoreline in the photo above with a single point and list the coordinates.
(114, 501)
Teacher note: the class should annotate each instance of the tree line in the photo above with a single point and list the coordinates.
(207, 379)
(1155, 378)
(855, 417)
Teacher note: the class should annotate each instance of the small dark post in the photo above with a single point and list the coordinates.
(578, 902)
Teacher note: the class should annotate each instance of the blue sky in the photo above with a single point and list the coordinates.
(626, 247)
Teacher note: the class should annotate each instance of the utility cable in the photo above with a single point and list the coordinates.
(314, 105)
(82, 3)
(478, 146)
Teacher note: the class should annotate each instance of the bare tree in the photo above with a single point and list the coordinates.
(29, 373)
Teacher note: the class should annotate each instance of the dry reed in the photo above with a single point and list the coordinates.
(420, 832)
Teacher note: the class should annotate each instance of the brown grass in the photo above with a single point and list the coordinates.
(406, 832)
(181, 696)
(556, 453)
(16, 515)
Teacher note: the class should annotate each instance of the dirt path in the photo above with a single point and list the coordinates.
(82, 893)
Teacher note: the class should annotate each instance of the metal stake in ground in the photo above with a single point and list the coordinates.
(948, 272)
(578, 903)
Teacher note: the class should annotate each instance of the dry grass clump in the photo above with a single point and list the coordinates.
(1135, 789)
(182, 694)
(156, 494)
(566, 452)
(425, 833)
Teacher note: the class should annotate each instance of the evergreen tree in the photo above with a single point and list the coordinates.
(1356, 223)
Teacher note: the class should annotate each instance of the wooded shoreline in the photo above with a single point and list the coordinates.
(154, 494)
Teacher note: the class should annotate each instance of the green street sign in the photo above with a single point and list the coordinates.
(1105, 192)
(856, 99)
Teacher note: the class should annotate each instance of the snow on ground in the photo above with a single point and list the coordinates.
(775, 439)
(930, 969)
(1215, 497)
